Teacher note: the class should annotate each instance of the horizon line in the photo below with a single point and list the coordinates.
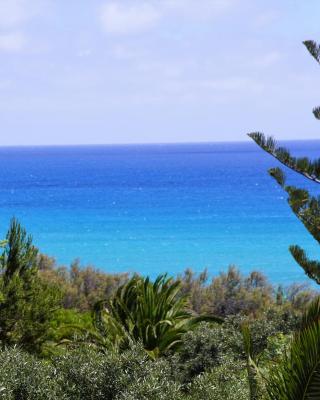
(147, 143)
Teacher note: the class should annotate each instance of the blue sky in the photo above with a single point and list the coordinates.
(132, 71)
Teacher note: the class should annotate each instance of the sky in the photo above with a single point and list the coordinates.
(156, 71)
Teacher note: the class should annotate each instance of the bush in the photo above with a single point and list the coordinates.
(87, 374)
(22, 377)
(227, 382)
(201, 350)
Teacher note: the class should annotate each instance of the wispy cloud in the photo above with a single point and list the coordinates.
(126, 18)
(12, 42)
(14, 14)
(132, 17)
(199, 9)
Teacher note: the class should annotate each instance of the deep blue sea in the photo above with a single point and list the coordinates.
(157, 208)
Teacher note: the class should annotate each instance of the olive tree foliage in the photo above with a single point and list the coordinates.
(22, 376)
(304, 205)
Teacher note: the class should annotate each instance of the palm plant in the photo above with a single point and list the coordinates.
(155, 314)
(297, 376)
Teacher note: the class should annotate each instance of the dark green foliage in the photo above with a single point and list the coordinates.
(278, 175)
(304, 166)
(311, 267)
(26, 302)
(311, 314)
(298, 374)
(19, 256)
(201, 350)
(154, 313)
(316, 112)
(313, 49)
(304, 206)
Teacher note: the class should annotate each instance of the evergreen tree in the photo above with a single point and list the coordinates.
(26, 302)
(305, 206)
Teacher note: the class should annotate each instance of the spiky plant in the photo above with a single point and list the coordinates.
(154, 313)
(305, 206)
(297, 376)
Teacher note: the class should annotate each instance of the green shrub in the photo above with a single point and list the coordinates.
(22, 377)
(227, 382)
(87, 374)
(83, 375)
(201, 350)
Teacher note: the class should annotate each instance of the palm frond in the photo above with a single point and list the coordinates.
(298, 375)
(152, 312)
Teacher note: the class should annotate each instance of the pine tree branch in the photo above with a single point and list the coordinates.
(304, 206)
(316, 112)
(303, 166)
(311, 267)
(313, 48)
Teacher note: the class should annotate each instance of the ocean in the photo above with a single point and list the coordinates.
(157, 208)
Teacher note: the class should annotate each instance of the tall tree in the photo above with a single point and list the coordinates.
(305, 206)
(26, 302)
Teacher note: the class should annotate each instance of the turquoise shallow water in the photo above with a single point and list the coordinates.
(156, 208)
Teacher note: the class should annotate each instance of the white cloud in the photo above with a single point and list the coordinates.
(16, 12)
(199, 9)
(134, 16)
(12, 42)
(124, 18)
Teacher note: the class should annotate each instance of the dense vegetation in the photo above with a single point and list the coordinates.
(77, 333)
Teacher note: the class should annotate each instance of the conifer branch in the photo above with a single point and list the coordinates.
(313, 48)
(302, 165)
(304, 206)
(307, 209)
(316, 112)
(311, 267)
